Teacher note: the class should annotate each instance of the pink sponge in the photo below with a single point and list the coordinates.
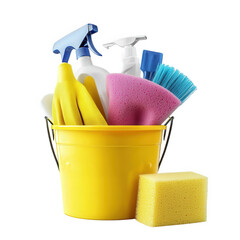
(137, 101)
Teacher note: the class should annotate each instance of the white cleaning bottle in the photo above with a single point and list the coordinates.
(130, 61)
(86, 68)
(81, 41)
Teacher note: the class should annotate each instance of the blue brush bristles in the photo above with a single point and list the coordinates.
(174, 81)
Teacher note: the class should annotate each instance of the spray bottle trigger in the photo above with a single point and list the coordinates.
(91, 46)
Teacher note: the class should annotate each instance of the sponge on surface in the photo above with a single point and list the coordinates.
(137, 101)
(171, 198)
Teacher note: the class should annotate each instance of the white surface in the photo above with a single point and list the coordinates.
(200, 38)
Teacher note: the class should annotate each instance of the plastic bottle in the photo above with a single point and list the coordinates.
(130, 61)
(81, 41)
(86, 68)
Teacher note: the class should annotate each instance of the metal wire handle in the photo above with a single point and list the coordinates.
(50, 140)
(170, 120)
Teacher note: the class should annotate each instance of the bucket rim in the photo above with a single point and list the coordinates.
(110, 127)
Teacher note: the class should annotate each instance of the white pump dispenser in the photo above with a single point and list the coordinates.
(130, 61)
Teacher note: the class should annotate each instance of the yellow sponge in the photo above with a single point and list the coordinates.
(171, 198)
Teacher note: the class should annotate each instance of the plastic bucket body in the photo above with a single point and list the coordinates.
(100, 166)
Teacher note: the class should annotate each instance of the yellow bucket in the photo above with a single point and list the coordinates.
(100, 165)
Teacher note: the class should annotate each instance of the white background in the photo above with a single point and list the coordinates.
(200, 38)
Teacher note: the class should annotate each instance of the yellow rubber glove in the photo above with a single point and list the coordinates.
(72, 103)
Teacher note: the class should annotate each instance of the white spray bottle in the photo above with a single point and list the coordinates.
(81, 41)
(130, 61)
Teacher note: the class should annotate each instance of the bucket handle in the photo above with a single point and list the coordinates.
(50, 140)
(170, 120)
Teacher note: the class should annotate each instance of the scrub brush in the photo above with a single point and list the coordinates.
(174, 81)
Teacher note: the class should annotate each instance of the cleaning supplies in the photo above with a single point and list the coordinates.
(171, 198)
(137, 101)
(150, 61)
(174, 81)
(130, 60)
(72, 103)
(81, 40)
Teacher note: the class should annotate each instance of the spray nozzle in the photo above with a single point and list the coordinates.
(124, 42)
(80, 40)
(127, 44)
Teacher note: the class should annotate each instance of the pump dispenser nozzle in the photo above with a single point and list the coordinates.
(124, 42)
(131, 64)
(80, 40)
